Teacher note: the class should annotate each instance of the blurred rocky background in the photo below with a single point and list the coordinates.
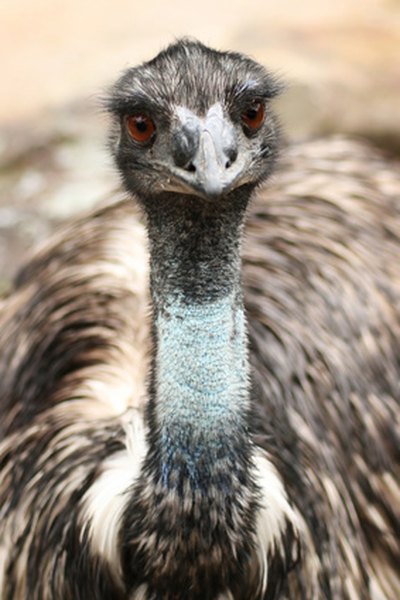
(341, 61)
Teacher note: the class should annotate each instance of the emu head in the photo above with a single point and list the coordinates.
(193, 121)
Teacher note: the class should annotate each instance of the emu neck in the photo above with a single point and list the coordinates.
(200, 369)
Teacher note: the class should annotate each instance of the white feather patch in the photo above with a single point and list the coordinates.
(274, 513)
(140, 593)
(105, 502)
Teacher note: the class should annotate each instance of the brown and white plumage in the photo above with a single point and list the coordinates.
(321, 276)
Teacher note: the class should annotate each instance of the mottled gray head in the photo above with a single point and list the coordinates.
(195, 121)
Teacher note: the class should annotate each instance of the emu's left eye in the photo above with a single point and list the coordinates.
(253, 117)
(140, 127)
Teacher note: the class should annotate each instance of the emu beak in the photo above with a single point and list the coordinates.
(209, 148)
(211, 176)
(214, 174)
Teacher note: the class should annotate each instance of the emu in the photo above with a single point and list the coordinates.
(242, 442)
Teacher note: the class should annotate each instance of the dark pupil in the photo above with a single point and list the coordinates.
(252, 113)
(141, 125)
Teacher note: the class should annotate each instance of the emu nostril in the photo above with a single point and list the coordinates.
(231, 153)
(185, 143)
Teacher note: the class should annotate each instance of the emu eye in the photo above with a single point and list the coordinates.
(141, 127)
(253, 117)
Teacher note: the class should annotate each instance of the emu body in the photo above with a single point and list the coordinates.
(112, 487)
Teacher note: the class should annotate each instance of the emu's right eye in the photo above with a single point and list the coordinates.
(141, 127)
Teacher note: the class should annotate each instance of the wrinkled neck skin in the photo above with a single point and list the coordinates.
(197, 490)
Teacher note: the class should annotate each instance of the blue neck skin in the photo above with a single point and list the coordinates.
(201, 383)
(200, 368)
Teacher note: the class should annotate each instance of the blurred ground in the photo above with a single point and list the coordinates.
(341, 61)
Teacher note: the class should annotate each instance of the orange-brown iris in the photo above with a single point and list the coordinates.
(253, 117)
(141, 127)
